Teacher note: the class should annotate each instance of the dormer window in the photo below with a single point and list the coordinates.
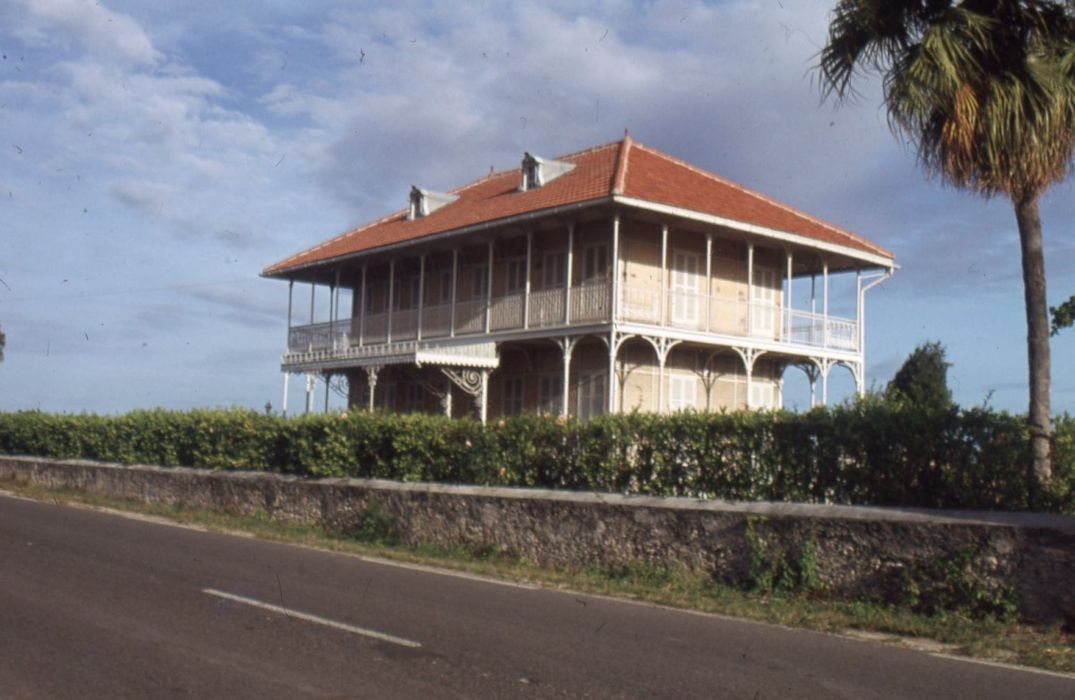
(425, 202)
(538, 171)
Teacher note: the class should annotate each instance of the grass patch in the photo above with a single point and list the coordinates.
(801, 606)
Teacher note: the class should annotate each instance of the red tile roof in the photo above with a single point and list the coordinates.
(620, 168)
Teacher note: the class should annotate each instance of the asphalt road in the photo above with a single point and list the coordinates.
(94, 605)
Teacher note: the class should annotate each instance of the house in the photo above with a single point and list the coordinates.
(611, 279)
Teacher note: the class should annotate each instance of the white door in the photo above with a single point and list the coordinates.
(684, 288)
(763, 303)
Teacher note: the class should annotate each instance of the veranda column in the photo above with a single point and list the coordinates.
(309, 392)
(489, 289)
(290, 298)
(568, 346)
(287, 376)
(455, 274)
(825, 303)
(790, 278)
(421, 294)
(708, 281)
(567, 272)
(615, 286)
(664, 274)
(362, 308)
(612, 372)
(391, 300)
(483, 400)
(526, 295)
(328, 379)
(750, 291)
(371, 380)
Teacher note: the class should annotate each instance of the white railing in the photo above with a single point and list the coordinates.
(547, 307)
(374, 328)
(319, 336)
(404, 324)
(507, 312)
(590, 303)
(640, 304)
(806, 328)
(470, 317)
(436, 321)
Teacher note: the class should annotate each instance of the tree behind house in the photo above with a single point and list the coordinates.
(923, 379)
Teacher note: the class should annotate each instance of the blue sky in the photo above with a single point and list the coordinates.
(154, 157)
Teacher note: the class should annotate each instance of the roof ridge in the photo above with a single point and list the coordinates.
(619, 176)
(758, 195)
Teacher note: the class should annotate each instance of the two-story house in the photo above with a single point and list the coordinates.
(612, 279)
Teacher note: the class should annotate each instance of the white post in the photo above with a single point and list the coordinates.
(309, 392)
(328, 378)
(750, 383)
(489, 291)
(708, 281)
(750, 303)
(526, 294)
(421, 293)
(371, 380)
(664, 273)
(612, 372)
(391, 300)
(290, 298)
(312, 288)
(790, 273)
(615, 287)
(455, 274)
(567, 347)
(362, 308)
(662, 356)
(483, 403)
(567, 274)
(825, 304)
(287, 376)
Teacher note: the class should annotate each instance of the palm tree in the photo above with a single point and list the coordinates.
(985, 92)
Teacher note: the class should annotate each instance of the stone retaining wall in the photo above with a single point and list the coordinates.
(859, 551)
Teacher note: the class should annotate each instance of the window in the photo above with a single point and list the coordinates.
(762, 395)
(595, 262)
(481, 281)
(446, 287)
(763, 310)
(515, 272)
(550, 395)
(590, 392)
(511, 400)
(554, 270)
(682, 392)
(413, 398)
(684, 287)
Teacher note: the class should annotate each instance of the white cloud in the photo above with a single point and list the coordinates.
(105, 34)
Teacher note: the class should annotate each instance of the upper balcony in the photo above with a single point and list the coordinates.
(585, 304)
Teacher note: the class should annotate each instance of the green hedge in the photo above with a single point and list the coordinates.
(868, 452)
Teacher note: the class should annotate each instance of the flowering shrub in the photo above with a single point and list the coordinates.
(868, 452)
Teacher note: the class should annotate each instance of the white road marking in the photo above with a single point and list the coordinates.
(1005, 666)
(312, 618)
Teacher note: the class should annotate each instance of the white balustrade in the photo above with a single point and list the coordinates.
(590, 303)
(547, 307)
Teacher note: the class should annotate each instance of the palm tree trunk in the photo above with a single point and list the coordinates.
(1037, 338)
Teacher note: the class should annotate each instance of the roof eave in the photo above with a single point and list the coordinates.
(876, 259)
(289, 272)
